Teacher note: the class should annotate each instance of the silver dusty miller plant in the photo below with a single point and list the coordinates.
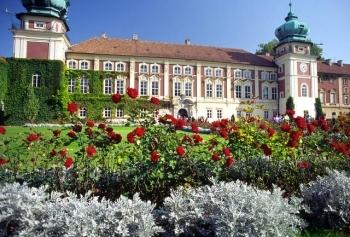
(28, 211)
(232, 209)
(327, 200)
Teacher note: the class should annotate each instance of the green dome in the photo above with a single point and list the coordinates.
(292, 29)
(56, 8)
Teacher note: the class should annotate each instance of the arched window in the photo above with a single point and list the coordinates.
(238, 91)
(108, 66)
(188, 71)
(143, 68)
(177, 70)
(120, 67)
(71, 85)
(84, 85)
(177, 88)
(247, 92)
(265, 93)
(208, 72)
(36, 80)
(108, 86)
(209, 89)
(82, 112)
(143, 87)
(218, 72)
(84, 65)
(155, 69)
(304, 90)
(154, 86)
(188, 88)
(219, 91)
(72, 64)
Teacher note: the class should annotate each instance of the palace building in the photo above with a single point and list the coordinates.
(196, 81)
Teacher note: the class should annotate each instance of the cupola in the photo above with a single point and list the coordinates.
(55, 8)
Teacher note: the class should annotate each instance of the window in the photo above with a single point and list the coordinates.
(218, 72)
(219, 90)
(346, 90)
(120, 113)
(39, 25)
(155, 87)
(71, 85)
(248, 115)
(345, 81)
(238, 91)
(322, 97)
(265, 93)
(273, 76)
(219, 113)
(209, 89)
(108, 66)
(143, 88)
(72, 65)
(120, 67)
(107, 113)
(332, 97)
(108, 86)
(238, 73)
(83, 112)
(177, 88)
(282, 94)
(274, 93)
(209, 113)
(143, 68)
(84, 85)
(188, 88)
(188, 70)
(84, 65)
(177, 70)
(264, 75)
(36, 80)
(155, 69)
(208, 72)
(304, 90)
(266, 114)
(247, 92)
(247, 74)
(239, 113)
(346, 100)
(120, 87)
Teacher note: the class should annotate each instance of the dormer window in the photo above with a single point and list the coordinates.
(218, 72)
(188, 70)
(143, 68)
(39, 25)
(208, 72)
(108, 66)
(120, 67)
(84, 65)
(177, 70)
(155, 69)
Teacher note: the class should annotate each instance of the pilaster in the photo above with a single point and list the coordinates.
(256, 83)
(199, 83)
(96, 64)
(166, 79)
(132, 73)
(228, 82)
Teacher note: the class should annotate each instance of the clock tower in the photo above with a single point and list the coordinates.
(297, 67)
(42, 32)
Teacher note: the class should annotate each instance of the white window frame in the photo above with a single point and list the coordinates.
(246, 92)
(117, 67)
(177, 91)
(218, 72)
(36, 80)
(71, 85)
(264, 75)
(346, 99)
(155, 66)
(274, 95)
(332, 100)
(188, 73)
(266, 114)
(208, 72)
(108, 86)
(155, 90)
(175, 71)
(141, 66)
(84, 87)
(70, 64)
(82, 112)
(109, 64)
(265, 93)
(247, 74)
(219, 113)
(40, 25)
(107, 112)
(304, 88)
(188, 90)
(238, 73)
(273, 76)
(238, 92)
(119, 113)
(239, 113)
(209, 113)
(209, 93)
(117, 85)
(81, 65)
(219, 83)
(142, 88)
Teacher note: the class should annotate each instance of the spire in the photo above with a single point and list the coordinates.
(290, 6)
(290, 15)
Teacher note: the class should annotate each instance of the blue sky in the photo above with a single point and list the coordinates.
(226, 23)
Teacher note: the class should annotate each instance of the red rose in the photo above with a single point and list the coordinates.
(266, 149)
(2, 130)
(69, 162)
(131, 137)
(285, 127)
(294, 137)
(116, 98)
(155, 101)
(132, 93)
(303, 165)
(223, 123)
(77, 128)
(109, 129)
(311, 128)
(215, 157)
(155, 156)
(57, 133)
(194, 128)
(102, 126)
(226, 151)
(290, 113)
(324, 125)
(90, 123)
(262, 125)
(72, 107)
(180, 150)
(90, 151)
(340, 147)
(180, 123)
(3, 161)
(53, 153)
(72, 134)
(197, 138)
(139, 131)
(229, 162)
(115, 137)
(271, 132)
(33, 137)
(301, 123)
(63, 152)
(224, 133)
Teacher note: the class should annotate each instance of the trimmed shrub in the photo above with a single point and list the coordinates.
(232, 209)
(28, 211)
(326, 200)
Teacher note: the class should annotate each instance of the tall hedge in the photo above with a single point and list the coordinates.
(3, 78)
(20, 73)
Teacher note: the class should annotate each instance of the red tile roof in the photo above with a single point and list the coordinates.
(334, 68)
(137, 48)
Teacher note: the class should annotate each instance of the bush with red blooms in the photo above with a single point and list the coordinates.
(33, 137)
(72, 134)
(90, 151)
(116, 98)
(180, 150)
(3, 161)
(90, 123)
(155, 101)
(2, 130)
(72, 107)
(155, 156)
(132, 92)
(68, 162)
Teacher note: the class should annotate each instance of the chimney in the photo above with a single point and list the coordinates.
(187, 42)
(135, 36)
(328, 61)
(340, 63)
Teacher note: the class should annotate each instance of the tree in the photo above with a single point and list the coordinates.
(268, 47)
(31, 105)
(290, 103)
(318, 108)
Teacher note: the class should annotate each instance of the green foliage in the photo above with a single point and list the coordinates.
(317, 51)
(290, 103)
(3, 78)
(267, 48)
(318, 108)
(31, 105)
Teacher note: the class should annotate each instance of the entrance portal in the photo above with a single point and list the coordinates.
(183, 113)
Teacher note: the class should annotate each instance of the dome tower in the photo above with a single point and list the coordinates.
(42, 32)
(297, 67)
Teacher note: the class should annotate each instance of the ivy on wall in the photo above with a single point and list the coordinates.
(3, 78)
